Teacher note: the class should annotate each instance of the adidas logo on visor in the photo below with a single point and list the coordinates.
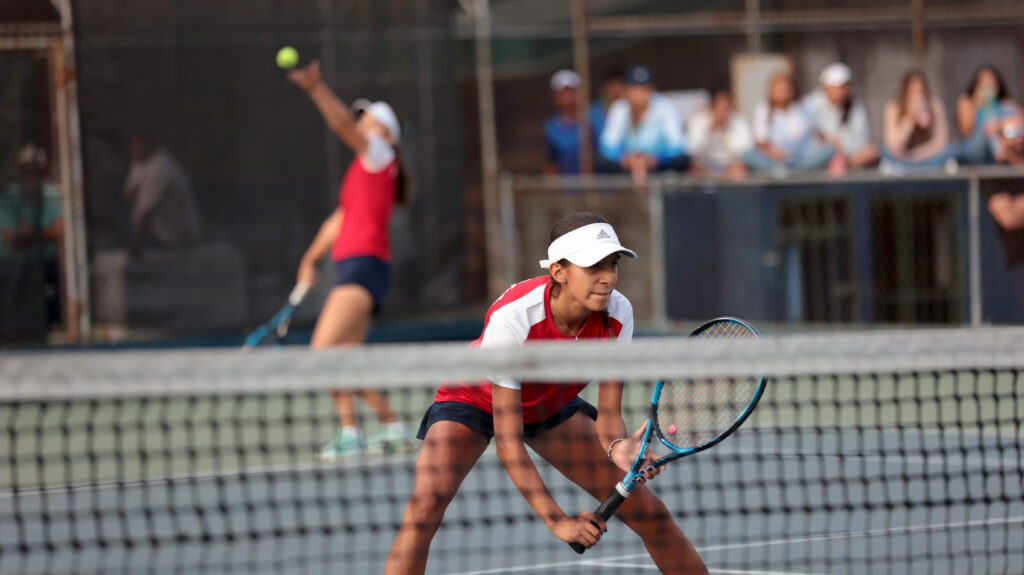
(603, 235)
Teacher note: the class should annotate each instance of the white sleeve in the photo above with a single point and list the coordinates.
(615, 128)
(740, 134)
(762, 132)
(697, 132)
(378, 154)
(626, 334)
(860, 134)
(500, 334)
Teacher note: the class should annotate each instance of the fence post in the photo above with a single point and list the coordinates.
(507, 217)
(656, 225)
(974, 248)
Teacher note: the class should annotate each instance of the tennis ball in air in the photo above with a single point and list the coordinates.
(672, 429)
(287, 58)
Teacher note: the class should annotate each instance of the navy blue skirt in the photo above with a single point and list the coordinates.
(372, 273)
(479, 420)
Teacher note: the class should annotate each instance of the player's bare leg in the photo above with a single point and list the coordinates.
(574, 449)
(449, 451)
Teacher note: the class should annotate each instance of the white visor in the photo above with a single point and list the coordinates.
(585, 246)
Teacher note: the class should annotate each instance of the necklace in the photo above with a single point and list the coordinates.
(575, 335)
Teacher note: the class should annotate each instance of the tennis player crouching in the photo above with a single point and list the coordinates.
(575, 300)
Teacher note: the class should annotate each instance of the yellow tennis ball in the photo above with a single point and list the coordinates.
(287, 58)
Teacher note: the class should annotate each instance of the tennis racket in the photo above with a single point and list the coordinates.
(691, 415)
(281, 321)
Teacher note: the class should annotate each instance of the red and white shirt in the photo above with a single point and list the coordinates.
(367, 196)
(521, 314)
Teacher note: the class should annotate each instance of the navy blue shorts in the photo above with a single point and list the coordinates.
(479, 420)
(372, 273)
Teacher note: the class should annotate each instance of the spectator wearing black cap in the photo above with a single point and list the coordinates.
(643, 132)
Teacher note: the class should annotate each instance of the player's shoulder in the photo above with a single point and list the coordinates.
(619, 306)
(521, 304)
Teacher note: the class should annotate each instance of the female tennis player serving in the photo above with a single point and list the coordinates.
(356, 235)
(575, 300)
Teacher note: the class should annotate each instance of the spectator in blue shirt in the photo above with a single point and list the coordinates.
(561, 131)
(643, 132)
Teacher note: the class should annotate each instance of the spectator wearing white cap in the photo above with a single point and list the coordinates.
(841, 120)
(644, 132)
(561, 131)
(356, 236)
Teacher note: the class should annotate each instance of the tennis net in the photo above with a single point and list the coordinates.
(875, 452)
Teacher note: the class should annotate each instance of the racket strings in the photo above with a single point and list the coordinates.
(693, 412)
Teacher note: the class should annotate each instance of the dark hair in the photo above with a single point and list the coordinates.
(403, 193)
(1001, 91)
(614, 74)
(574, 221)
(847, 107)
(905, 84)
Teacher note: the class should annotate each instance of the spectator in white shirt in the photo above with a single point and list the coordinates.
(784, 135)
(718, 137)
(840, 120)
(164, 209)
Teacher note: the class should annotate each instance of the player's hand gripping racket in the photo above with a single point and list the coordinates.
(281, 321)
(691, 415)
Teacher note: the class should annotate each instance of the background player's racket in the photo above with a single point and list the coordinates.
(691, 415)
(280, 322)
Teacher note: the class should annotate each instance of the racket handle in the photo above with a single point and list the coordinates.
(605, 510)
(298, 293)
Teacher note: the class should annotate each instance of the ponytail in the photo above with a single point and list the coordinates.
(403, 193)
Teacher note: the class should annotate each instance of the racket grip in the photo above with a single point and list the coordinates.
(298, 293)
(605, 511)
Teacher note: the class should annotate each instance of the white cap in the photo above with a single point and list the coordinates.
(585, 246)
(384, 115)
(835, 75)
(563, 79)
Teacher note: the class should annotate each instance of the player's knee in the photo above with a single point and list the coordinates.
(426, 508)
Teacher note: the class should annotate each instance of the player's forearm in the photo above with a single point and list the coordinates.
(324, 238)
(610, 425)
(338, 117)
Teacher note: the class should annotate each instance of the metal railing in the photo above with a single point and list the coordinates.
(937, 227)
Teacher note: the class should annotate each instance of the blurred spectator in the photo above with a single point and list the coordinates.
(915, 126)
(30, 221)
(840, 120)
(784, 134)
(718, 138)
(31, 231)
(613, 87)
(561, 131)
(164, 209)
(1008, 211)
(1009, 148)
(979, 111)
(643, 132)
